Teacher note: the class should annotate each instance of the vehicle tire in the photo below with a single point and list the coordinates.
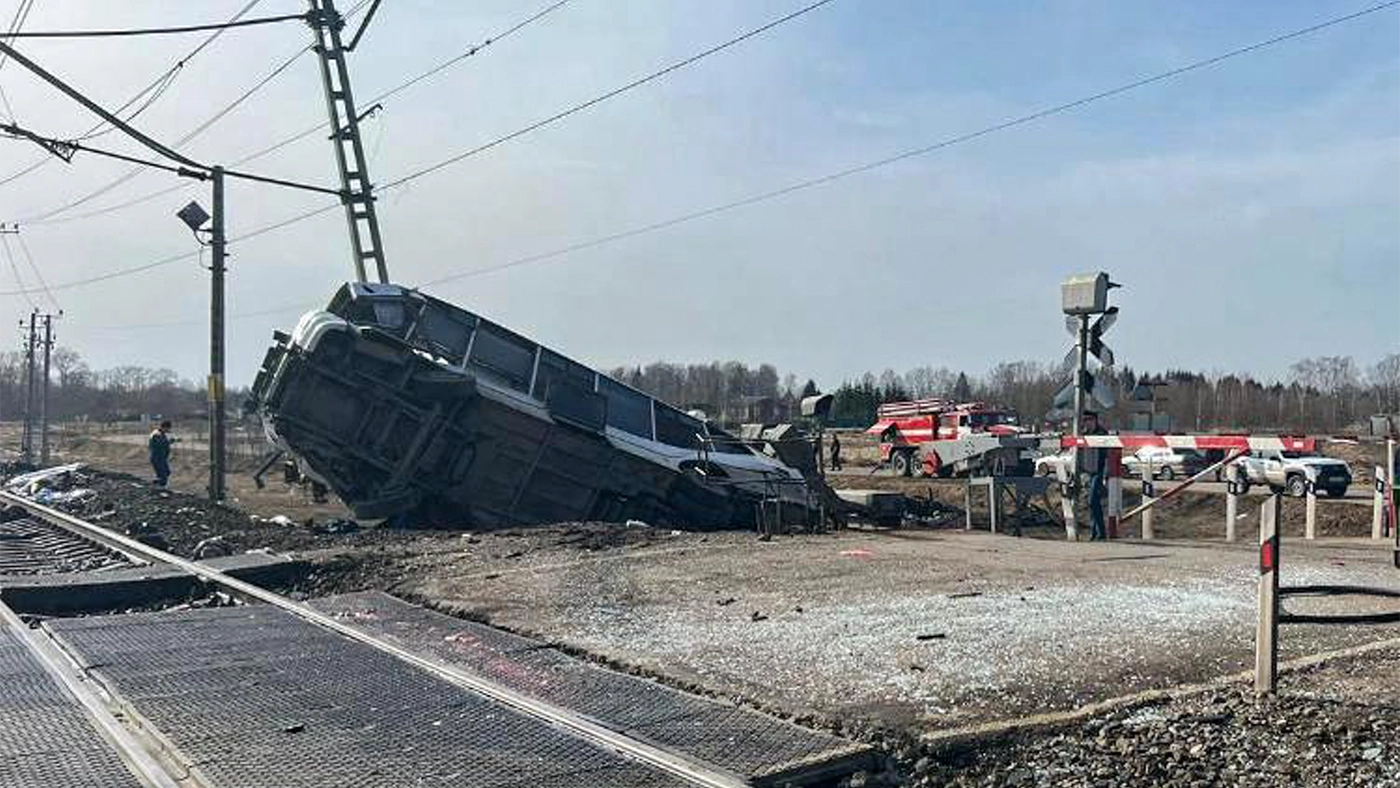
(903, 463)
(1297, 486)
(1166, 474)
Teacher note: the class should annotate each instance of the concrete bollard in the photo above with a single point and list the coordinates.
(1266, 636)
(1113, 513)
(1064, 474)
(1378, 507)
(1391, 461)
(967, 505)
(993, 502)
(1310, 524)
(1232, 500)
(1148, 496)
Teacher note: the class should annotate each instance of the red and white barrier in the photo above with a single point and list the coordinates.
(1136, 441)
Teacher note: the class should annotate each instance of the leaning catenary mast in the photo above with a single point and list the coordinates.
(356, 189)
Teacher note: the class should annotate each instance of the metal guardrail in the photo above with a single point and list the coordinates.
(1271, 596)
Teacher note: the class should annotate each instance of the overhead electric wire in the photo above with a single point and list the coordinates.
(191, 169)
(44, 217)
(21, 14)
(38, 274)
(599, 99)
(158, 31)
(768, 195)
(162, 81)
(301, 135)
(915, 152)
(14, 268)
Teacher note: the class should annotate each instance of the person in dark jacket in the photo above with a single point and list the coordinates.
(835, 452)
(159, 447)
(1094, 464)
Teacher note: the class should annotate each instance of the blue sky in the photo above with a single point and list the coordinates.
(1252, 209)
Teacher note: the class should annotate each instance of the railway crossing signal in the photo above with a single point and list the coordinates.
(1082, 297)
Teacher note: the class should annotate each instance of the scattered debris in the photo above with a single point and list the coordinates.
(213, 547)
(336, 526)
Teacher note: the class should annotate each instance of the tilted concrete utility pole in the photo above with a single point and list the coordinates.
(27, 442)
(356, 189)
(217, 243)
(44, 399)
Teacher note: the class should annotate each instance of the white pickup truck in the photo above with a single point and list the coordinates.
(1287, 471)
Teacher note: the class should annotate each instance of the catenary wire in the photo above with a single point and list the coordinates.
(160, 80)
(301, 135)
(14, 269)
(21, 14)
(156, 31)
(43, 216)
(599, 99)
(38, 274)
(768, 195)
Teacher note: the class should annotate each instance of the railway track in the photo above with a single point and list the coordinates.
(32, 545)
(275, 648)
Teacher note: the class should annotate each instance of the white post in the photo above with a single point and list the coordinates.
(1064, 474)
(1378, 507)
(1148, 529)
(967, 505)
(1113, 517)
(1232, 500)
(1310, 524)
(1266, 636)
(1390, 463)
(992, 502)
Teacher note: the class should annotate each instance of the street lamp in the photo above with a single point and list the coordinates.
(195, 217)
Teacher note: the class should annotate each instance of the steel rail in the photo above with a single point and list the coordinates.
(684, 767)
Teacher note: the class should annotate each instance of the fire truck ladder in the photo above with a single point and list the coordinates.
(356, 189)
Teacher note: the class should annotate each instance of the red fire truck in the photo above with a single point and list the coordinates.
(938, 437)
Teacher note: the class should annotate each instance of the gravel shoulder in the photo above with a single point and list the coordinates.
(918, 631)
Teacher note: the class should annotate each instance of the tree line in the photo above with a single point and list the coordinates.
(76, 390)
(1320, 394)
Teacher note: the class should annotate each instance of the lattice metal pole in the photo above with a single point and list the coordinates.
(356, 189)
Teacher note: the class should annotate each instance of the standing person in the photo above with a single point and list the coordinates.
(159, 447)
(835, 452)
(1094, 466)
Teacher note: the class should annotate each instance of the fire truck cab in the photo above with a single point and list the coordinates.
(937, 437)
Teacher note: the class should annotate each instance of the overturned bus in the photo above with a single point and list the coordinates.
(405, 405)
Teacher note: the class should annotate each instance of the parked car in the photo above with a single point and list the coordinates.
(1166, 463)
(1196, 460)
(1287, 471)
(1048, 464)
